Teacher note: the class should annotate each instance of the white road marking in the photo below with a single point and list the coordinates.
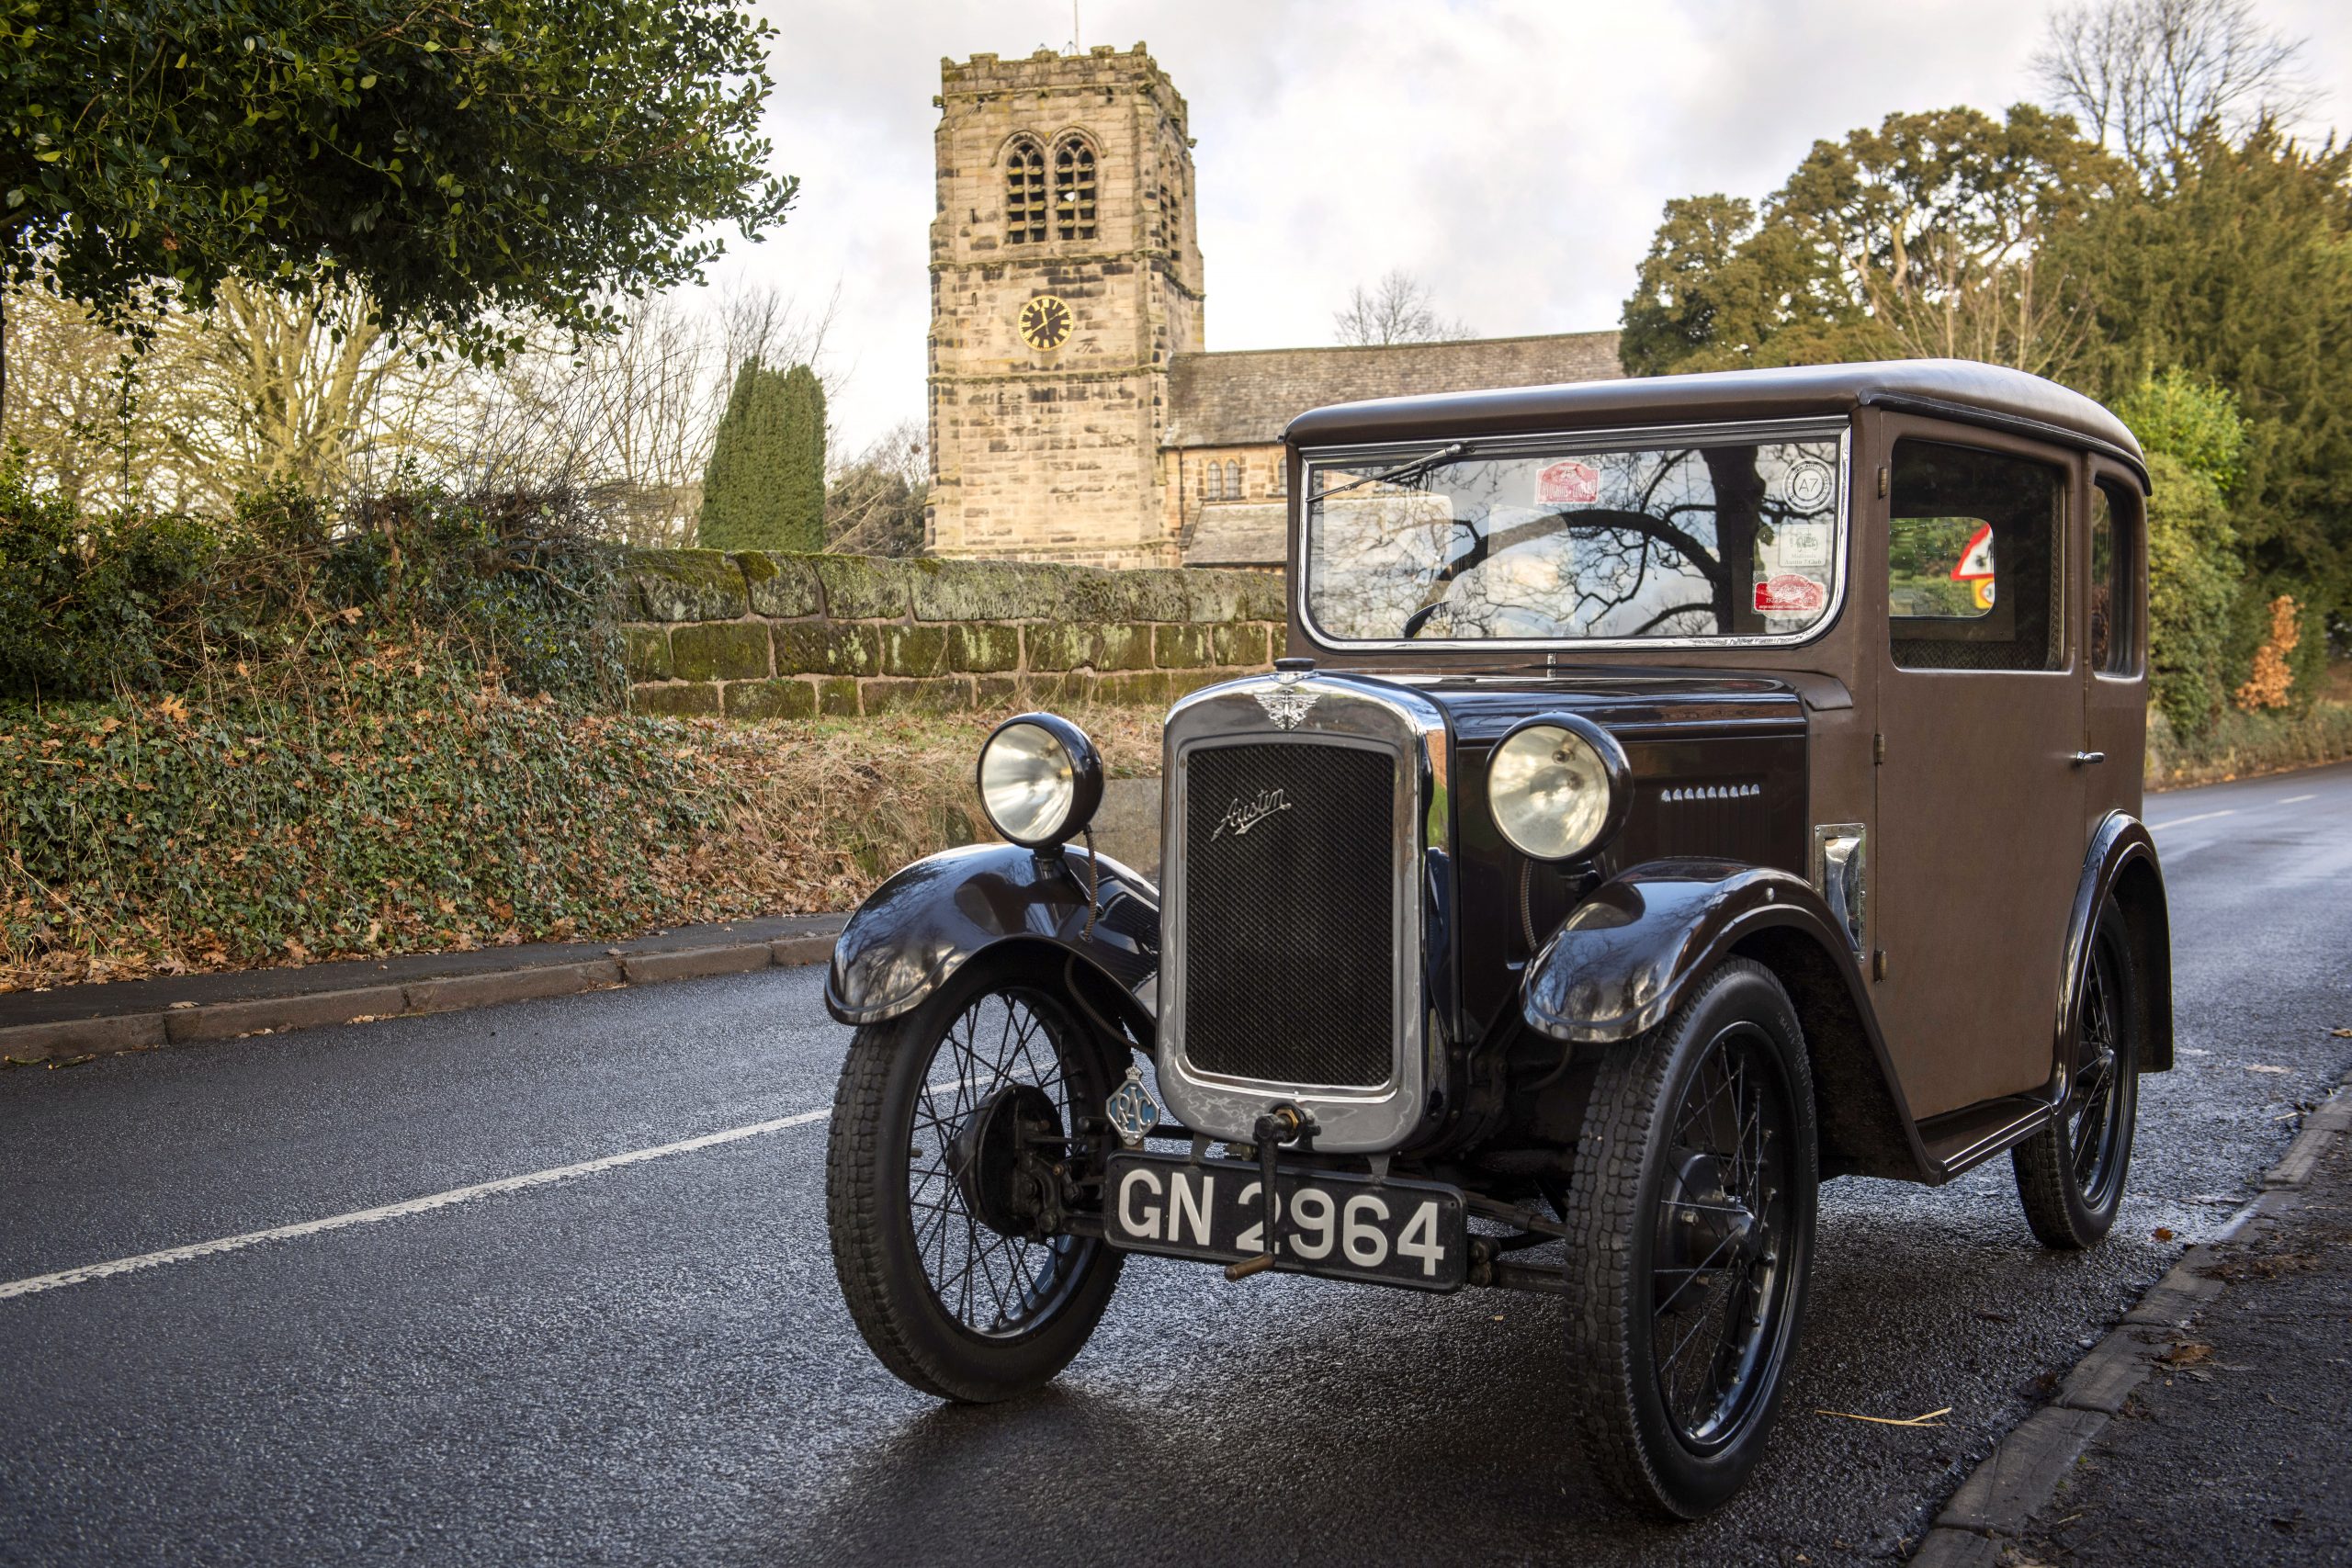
(40, 1282)
(2200, 817)
(2296, 799)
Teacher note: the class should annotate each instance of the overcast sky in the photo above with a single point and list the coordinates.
(1513, 154)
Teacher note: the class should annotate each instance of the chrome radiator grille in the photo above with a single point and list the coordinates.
(1290, 913)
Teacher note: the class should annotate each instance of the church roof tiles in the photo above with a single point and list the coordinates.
(1245, 398)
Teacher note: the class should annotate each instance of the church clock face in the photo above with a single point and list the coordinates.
(1045, 323)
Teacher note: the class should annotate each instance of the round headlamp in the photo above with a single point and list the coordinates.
(1558, 786)
(1040, 779)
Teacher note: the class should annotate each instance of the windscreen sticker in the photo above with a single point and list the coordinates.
(1567, 483)
(1810, 483)
(1799, 545)
(1791, 593)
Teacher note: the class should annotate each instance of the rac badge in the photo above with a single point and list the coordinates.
(1132, 1113)
(1287, 704)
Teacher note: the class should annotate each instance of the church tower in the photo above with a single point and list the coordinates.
(1064, 274)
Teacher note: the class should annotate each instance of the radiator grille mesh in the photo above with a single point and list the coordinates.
(1289, 913)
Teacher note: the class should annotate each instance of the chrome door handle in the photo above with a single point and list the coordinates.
(2088, 759)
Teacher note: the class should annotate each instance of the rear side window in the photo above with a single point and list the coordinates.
(2115, 600)
(1973, 543)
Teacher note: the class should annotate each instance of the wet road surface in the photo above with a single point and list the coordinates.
(648, 1362)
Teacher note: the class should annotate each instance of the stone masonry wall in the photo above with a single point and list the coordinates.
(757, 636)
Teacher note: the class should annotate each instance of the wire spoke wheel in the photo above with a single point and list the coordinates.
(942, 1187)
(993, 1283)
(2071, 1174)
(2094, 1131)
(1690, 1221)
(1721, 1222)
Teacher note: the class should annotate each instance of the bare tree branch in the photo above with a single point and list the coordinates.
(1397, 309)
(2141, 75)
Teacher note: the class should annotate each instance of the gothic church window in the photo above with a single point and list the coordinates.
(1213, 483)
(1233, 480)
(1074, 189)
(1025, 193)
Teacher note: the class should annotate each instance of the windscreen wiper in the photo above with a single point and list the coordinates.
(1413, 469)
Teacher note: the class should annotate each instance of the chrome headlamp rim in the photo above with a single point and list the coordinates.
(1613, 766)
(1086, 780)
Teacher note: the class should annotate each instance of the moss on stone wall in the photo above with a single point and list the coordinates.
(770, 634)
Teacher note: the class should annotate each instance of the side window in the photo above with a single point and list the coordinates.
(2114, 641)
(1972, 550)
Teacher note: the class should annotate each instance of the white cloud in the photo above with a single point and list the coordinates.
(1515, 153)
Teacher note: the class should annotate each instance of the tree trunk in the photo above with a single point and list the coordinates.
(1739, 505)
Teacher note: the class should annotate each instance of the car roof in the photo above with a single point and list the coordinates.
(1963, 390)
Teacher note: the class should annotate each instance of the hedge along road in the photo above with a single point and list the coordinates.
(626, 1345)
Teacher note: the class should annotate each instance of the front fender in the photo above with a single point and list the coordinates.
(1624, 956)
(1627, 956)
(932, 917)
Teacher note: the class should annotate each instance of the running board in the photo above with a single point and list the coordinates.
(1958, 1139)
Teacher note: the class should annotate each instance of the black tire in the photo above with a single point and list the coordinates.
(1662, 1178)
(960, 1310)
(2071, 1173)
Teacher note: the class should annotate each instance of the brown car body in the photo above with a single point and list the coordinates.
(1994, 839)
(1841, 876)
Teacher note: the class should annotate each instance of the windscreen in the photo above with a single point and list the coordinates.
(1728, 538)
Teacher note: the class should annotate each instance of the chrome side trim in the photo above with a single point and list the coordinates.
(1570, 441)
(1841, 876)
(1348, 711)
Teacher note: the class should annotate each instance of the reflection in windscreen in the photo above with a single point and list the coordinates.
(1728, 539)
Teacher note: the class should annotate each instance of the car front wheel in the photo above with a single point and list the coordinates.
(1690, 1223)
(945, 1130)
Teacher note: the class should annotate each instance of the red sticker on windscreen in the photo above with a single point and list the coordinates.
(1791, 593)
(1567, 483)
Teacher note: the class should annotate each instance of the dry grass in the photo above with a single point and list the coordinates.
(2245, 744)
(791, 817)
(821, 811)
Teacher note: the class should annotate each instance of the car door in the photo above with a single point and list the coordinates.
(2115, 644)
(1979, 799)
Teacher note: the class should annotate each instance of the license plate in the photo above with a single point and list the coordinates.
(1345, 1227)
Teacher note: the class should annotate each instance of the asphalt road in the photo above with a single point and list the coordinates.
(649, 1362)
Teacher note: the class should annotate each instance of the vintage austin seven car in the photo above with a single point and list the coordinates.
(1677, 792)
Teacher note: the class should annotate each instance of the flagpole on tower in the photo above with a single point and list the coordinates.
(1077, 39)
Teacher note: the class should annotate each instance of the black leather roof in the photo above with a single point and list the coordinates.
(1958, 389)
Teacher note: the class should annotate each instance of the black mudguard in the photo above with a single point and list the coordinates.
(1624, 957)
(1627, 956)
(2123, 861)
(932, 917)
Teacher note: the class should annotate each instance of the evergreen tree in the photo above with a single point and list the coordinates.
(800, 487)
(765, 486)
(2237, 268)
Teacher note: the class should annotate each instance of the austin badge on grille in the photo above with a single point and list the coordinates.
(1287, 704)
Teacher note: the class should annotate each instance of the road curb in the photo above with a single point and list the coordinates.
(68, 1040)
(2024, 1471)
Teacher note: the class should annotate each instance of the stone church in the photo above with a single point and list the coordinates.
(1074, 415)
